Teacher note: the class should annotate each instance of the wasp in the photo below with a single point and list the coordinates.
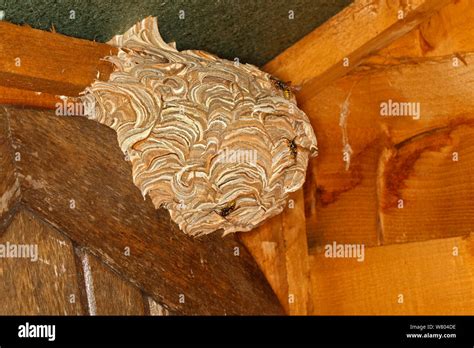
(293, 147)
(286, 87)
(225, 211)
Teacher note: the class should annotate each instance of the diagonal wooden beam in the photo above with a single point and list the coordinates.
(356, 32)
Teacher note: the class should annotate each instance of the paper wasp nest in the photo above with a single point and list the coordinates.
(217, 143)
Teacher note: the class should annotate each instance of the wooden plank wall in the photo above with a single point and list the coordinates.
(55, 280)
(9, 185)
(73, 176)
(419, 257)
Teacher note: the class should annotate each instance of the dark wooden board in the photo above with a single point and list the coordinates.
(68, 158)
(107, 292)
(41, 61)
(45, 284)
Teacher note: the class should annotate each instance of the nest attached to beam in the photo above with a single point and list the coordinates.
(217, 143)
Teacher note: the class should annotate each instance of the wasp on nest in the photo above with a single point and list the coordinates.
(177, 110)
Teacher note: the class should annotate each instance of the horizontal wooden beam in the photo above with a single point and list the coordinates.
(339, 45)
(24, 97)
(41, 61)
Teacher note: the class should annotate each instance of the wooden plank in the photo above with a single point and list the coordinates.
(74, 175)
(156, 309)
(266, 244)
(430, 277)
(343, 204)
(23, 97)
(348, 199)
(280, 248)
(359, 30)
(47, 286)
(9, 185)
(447, 32)
(107, 292)
(434, 178)
(296, 256)
(41, 61)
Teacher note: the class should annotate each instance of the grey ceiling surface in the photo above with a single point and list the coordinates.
(254, 31)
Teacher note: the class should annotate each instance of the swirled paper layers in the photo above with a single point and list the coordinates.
(217, 143)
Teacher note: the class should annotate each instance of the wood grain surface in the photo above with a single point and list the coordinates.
(424, 278)
(361, 29)
(107, 293)
(46, 284)
(418, 257)
(74, 176)
(52, 63)
(9, 185)
(391, 155)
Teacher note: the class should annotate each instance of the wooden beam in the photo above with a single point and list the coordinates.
(448, 32)
(41, 61)
(266, 244)
(393, 158)
(299, 299)
(9, 185)
(73, 175)
(280, 248)
(356, 32)
(24, 97)
(425, 278)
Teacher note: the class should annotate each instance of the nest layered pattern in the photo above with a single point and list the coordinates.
(215, 142)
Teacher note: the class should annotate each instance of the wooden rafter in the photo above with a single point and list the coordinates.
(52, 63)
(356, 32)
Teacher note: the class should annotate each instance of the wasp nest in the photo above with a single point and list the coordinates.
(217, 143)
